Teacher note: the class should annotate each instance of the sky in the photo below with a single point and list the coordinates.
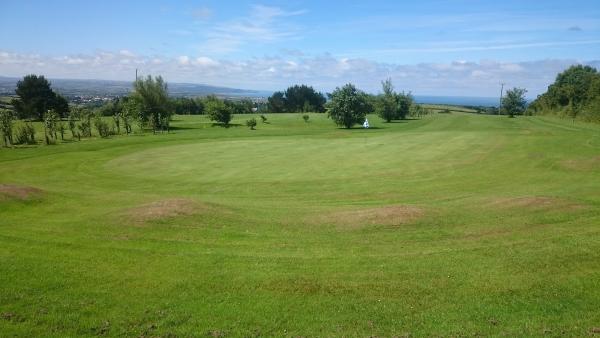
(458, 48)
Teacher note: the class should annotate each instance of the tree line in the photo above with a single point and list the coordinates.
(575, 93)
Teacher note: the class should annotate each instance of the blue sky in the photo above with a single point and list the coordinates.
(428, 47)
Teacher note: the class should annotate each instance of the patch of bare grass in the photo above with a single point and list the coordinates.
(582, 164)
(388, 215)
(19, 192)
(167, 208)
(535, 203)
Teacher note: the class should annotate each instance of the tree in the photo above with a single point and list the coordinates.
(416, 110)
(35, 97)
(277, 103)
(574, 93)
(405, 100)
(305, 117)
(153, 102)
(25, 134)
(297, 99)
(6, 124)
(187, 106)
(240, 106)
(251, 123)
(217, 110)
(387, 103)
(129, 113)
(101, 126)
(514, 102)
(60, 105)
(86, 122)
(303, 98)
(51, 120)
(348, 106)
(72, 122)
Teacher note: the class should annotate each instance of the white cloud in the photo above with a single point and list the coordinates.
(325, 72)
(184, 60)
(126, 53)
(205, 62)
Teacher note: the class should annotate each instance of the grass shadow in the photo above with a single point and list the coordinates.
(226, 125)
(359, 128)
(181, 128)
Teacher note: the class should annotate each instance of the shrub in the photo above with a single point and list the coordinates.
(6, 122)
(305, 117)
(263, 118)
(25, 134)
(217, 110)
(51, 121)
(102, 127)
(251, 123)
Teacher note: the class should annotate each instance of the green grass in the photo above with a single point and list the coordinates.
(507, 242)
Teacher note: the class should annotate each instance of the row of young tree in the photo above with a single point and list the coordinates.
(148, 106)
(575, 93)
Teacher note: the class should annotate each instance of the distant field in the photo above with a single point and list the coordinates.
(441, 107)
(451, 225)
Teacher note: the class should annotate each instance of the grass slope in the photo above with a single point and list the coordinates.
(452, 225)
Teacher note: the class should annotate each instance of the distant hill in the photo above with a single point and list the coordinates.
(74, 87)
(108, 88)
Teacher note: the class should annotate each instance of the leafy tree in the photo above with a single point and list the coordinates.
(387, 104)
(297, 99)
(305, 117)
(251, 123)
(25, 134)
(416, 110)
(240, 106)
(129, 113)
(60, 105)
(405, 100)
(34, 97)
(263, 118)
(6, 123)
(514, 102)
(575, 92)
(61, 129)
(85, 127)
(102, 127)
(303, 98)
(391, 105)
(277, 103)
(187, 106)
(72, 122)
(348, 106)
(153, 102)
(51, 120)
(217, 110)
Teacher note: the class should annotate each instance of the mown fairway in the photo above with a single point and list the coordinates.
(452, 225)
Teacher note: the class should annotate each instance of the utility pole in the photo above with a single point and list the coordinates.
(501, 93)
(136, 75)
